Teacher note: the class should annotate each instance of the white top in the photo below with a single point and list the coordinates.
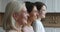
(1, 29)
(38, 26)
(28, 29)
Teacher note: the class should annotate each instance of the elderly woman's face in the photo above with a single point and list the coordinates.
(23, 16)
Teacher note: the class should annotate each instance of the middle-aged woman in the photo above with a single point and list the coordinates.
(15, 17)
(32, 10)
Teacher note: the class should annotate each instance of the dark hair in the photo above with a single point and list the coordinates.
(29, 6)
(39, 5)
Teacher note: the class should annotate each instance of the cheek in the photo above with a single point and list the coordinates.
(34, 14)
(22, 15)
(43, 13)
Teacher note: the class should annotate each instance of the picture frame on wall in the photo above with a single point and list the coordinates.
(52, 20)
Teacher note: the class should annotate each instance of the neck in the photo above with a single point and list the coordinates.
(29, 22)
(39, 18)
(18, 25)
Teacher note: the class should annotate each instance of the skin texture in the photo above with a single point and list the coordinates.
(33, 14)
(22, 16)
(42, 12)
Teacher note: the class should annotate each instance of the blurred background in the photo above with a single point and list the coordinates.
(52, 20)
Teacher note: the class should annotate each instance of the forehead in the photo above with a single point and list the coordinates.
(34, 8)
(23, 8)
(44, 8)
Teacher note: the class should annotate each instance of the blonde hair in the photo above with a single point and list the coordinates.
(8, 20)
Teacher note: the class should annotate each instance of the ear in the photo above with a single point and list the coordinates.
(15, 16)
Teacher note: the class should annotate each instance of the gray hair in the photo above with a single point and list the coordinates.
(8, 20)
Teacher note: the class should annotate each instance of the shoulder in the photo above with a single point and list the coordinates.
(12, 31)
(25, 28)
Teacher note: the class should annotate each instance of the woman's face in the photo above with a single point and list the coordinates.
(42, 12)
(34, 13)
(23, 16)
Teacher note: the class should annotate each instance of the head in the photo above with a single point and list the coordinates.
(32, 10)
(15, 12)
(21, 15)
(41, 7)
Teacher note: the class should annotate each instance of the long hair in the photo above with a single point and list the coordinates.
(8, 20)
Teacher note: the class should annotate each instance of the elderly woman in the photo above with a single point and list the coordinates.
(15, 17)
